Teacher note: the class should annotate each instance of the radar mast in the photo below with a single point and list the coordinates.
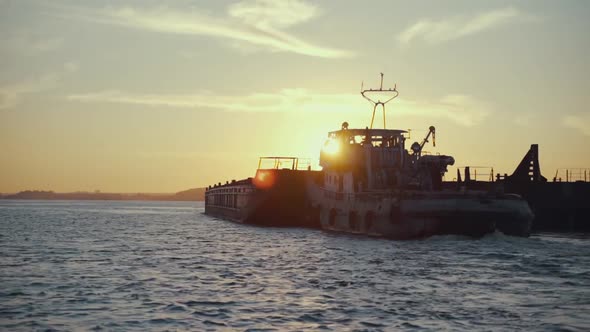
(366, 94)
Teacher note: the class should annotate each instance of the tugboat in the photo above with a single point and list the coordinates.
(372, 185)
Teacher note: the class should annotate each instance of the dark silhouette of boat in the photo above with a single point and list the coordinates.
(370, 184)
(562, 204)
(275, 196)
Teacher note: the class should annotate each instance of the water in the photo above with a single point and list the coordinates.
(87, 265)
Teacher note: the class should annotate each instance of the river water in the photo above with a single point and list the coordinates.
(95, 265)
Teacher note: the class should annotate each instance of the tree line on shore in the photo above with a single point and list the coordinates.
(195, 194)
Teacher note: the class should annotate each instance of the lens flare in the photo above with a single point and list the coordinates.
(264, 179)
(331, 147)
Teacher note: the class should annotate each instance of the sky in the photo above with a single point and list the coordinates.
(152, 96)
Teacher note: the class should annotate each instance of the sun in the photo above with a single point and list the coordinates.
(331, 147)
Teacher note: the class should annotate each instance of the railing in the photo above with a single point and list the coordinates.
(223, 187)
(476, 173)
(572, 175)
(428, 153)
(292, 163)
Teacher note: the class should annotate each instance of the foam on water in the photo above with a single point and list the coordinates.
(166, 266)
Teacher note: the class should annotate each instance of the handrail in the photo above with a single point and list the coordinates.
(477, 177)
(277, 161)
(572, 175)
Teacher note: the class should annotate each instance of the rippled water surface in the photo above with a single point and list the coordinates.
(166, 266)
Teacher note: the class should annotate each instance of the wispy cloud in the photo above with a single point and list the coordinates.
(579, 122)
(12, 94)
(461, 109)
(273, 13)
(438, 31)
(259, 23)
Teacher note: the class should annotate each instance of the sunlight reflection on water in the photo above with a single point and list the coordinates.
(165, 265)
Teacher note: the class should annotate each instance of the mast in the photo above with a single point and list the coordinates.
(382, 91)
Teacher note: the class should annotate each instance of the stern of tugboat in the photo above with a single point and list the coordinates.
(518, 218)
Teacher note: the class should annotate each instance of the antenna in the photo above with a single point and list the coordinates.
(364, 93)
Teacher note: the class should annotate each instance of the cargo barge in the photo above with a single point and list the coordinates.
(275, 196)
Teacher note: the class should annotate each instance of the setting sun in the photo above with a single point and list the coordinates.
(331, 146)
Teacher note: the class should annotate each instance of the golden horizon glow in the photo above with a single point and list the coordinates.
(206, 89)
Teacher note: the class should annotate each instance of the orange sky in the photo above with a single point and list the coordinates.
(136, 97)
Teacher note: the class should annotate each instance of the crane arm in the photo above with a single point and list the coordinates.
(431, 131)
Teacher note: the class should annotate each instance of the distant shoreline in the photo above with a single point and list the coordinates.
(195, 194)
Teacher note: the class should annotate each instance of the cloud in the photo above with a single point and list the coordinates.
(435, 32)
(580, 122)
(283, 101)
(461, 109)
(272, 13)
(258, 23)
(12, 94)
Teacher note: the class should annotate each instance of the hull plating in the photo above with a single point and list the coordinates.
(406, 218)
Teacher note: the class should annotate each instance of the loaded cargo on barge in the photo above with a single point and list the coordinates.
(369, 184)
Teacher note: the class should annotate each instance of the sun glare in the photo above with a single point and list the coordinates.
(331, 147)
(264, 179)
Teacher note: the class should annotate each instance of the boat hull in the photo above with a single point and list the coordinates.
(396, 217)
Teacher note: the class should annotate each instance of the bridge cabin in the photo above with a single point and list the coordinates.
(356, 160)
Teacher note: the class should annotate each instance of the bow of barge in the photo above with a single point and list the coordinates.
(275, 196)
